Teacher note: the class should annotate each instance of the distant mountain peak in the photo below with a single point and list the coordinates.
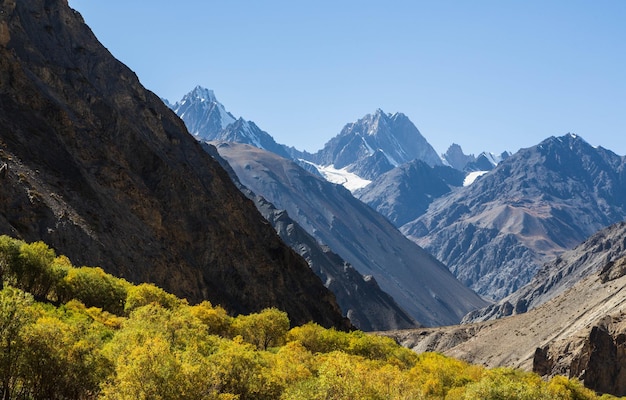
(455, 157)
(202, 94)
(360, 144)
(202, 113)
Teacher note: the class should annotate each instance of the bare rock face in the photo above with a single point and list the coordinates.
(597, 354)
(598, 359)
(100, 169)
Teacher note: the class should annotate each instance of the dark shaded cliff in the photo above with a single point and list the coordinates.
(100, 169)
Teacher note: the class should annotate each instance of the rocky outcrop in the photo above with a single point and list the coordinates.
(598, 359)
(100, 169)
(596, 355)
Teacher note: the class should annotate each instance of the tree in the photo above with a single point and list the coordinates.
(317, 339)
(216, 319)
(34, 273)
(265, 329)
(147, 293)
(9, 258)
(94, 288)
(16, 313)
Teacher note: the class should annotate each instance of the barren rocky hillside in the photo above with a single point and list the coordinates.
(579, 333)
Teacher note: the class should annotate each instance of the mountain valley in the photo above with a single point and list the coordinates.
(514, 260)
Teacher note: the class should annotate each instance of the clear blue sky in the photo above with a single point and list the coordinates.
(488, 75)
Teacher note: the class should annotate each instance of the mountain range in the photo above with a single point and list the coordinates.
(495, 233)
(100, 169)
(493, 220)
(492, 227)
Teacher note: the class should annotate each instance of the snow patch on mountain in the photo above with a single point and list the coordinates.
(226, 118)
(472, 176)
(342, 176)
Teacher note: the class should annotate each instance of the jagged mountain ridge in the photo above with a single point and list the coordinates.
(456, 158)
(496, 233)
(600, 251)
(207, 119)
(100, 169)
(419, 284)
(375, 144)
(361, 300)
(578, 333)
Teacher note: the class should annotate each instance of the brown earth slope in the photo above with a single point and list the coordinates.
(580, 333)
(99, 168)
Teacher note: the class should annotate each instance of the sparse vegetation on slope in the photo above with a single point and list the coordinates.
(79, 333)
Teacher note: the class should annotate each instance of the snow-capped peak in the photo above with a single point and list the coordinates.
(203, 94)
(202, 113)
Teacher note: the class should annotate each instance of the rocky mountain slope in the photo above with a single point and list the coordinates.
(405, 192)
(598, 252)
(362, 301)
(578, 333)
(419, 284)
(496, 233)
(99, 168)
(375, 144)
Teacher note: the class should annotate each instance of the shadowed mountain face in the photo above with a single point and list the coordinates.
(99, 168)
(405, 192)
(419, 284)
(495, 233)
